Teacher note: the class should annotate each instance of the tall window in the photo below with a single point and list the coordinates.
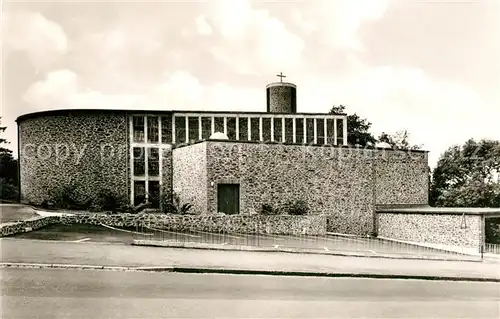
(231, 128)
(278, 130)
(166, 129)
(330, 131)
(219, 124)
(310, 130)
(206, 127)
(154, 193)
(138, 126)
(243, 128)
(139, 165)
(320, 127)
(139, 192)
(266, 129)
(194, 129)
(152, 129)
(153, 162)
(254, 128)
(289, 130)
(180, 130)
(299, 130)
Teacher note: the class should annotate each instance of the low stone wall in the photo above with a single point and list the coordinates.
(8, 229)
(453, 230)
(244, 224)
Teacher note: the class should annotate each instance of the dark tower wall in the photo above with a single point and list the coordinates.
(281, 97)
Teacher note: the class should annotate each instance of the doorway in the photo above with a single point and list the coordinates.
(228, 198)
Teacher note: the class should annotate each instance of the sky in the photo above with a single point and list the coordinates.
(430, 67)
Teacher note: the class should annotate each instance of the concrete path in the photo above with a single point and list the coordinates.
(17, 212)
(15, 251)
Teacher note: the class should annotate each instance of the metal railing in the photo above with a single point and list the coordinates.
(492, 248)
(211, 237)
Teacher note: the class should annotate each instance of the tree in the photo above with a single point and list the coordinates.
(3, 140)
(358, 129)
(398, 140)
(8, 170)
(468, 175)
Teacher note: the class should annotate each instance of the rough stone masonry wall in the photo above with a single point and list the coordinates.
(167, 171)
(12, 228)
(243, 224)
(442, 229)
(338, 182)
(85, 148)
(402, 177)
(282, 99)
(190, 176)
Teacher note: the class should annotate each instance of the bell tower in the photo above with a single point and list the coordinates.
(281, 96)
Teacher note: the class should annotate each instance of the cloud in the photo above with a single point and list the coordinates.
(337, 22)
(202, 26)
(55, 87)
(231, 17)
(245, 31)
(43, 40)
(180, 91)
(62, 89)
(141, 40)
(436, 113)
(183, 91)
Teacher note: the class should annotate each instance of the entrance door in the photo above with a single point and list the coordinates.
(228, 198)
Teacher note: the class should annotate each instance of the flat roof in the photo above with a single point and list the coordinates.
(287, 84)
(441, 210)
(68, 111)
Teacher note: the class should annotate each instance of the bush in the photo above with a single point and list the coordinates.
(127, 208)
(297, 207)
(492, 230)
(109, 200)
(268, 209)
(174, 206)
(70, 197)
(46, 204)
(8, 191)
(373, 234)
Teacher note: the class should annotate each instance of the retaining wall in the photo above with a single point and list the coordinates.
(453, 230)
(259, 224)
(24, 226)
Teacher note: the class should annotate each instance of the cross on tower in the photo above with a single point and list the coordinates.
(281, 76)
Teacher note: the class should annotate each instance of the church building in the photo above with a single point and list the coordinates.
(229, 162)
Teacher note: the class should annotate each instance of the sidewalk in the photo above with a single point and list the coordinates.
(16, 251)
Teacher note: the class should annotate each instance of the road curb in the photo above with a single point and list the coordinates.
(327, 274)
(64, 266)
(232, 271)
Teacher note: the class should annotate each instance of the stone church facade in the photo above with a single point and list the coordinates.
(262, 158)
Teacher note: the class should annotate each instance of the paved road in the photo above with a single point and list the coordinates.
(50, 293)
(369, 247)
(84, 253)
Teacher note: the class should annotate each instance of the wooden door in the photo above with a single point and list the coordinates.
(228, 198)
